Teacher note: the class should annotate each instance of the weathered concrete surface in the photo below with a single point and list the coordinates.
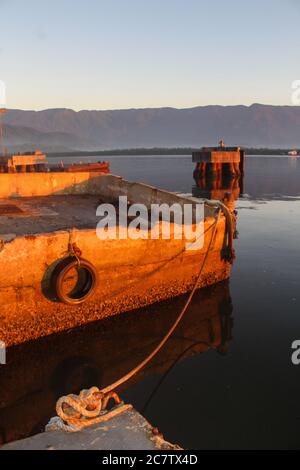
(132, 273)
(129, 431)
(38, 215)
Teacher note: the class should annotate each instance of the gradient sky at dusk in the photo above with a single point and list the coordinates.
(106, 54)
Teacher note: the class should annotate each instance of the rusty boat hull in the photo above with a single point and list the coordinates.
(45, 212)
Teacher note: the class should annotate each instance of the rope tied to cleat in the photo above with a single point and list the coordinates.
(85, 409)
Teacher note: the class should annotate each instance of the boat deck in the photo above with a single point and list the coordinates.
(46, 214)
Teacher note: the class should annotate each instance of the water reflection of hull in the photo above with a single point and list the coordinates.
(38, 373)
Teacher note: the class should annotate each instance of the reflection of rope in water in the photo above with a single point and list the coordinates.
(224, 338)
(162, 379)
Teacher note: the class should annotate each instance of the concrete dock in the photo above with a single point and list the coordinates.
(129, 431)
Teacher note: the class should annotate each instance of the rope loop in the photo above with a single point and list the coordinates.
(89, 407)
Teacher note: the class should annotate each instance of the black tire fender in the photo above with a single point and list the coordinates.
(61, 271)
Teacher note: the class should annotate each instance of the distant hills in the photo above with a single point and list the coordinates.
(59, 130)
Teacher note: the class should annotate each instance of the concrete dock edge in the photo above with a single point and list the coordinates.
(128, 431)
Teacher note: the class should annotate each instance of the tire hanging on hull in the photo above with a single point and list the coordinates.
(85, 281)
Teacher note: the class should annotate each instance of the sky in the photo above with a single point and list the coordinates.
(115, 54)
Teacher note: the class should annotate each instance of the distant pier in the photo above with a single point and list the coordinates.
(214, 162)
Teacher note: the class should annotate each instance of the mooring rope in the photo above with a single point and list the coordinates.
(137, 369)
(228, 250)
(90, 406)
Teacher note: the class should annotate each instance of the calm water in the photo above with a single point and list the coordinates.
(226, 379)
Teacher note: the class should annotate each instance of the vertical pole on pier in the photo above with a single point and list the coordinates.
(2, 112)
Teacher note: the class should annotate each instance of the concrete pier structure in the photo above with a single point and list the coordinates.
(213, 161)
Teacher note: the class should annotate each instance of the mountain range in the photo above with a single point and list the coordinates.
(65, 130)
